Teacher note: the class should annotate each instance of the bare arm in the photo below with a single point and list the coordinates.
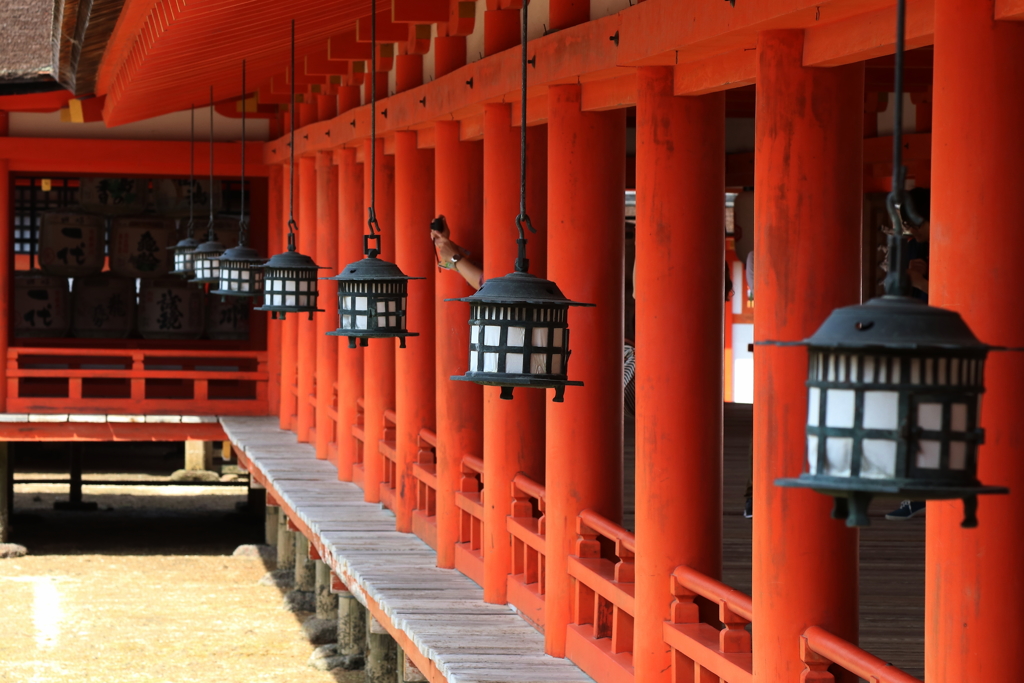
(446, 249)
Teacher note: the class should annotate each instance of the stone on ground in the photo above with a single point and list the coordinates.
(320, 631)
(279, 578)
(12, 550)
(195, 475)
(299, 601)
(267, 553)
(326, 658)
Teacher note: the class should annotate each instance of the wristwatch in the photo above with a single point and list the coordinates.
(454, 260)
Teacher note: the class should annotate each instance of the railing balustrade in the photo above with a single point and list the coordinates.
(469, 555)
(424, 470)
(136, 382)
(526, 526)
(820, 650)
(359, 438)
(701, 651)
(600, 637)
(386, 447)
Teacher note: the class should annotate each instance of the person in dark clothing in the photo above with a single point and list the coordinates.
(917, 269)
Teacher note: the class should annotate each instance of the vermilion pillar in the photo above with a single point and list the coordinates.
(458, 193)
(449, 54)
(566, 13)
(414, 366)
(513, 430)
(680, 247)
(973, 590)
(807, 204)
(379, 356)
(288, 407)
(306, 360)
(326, 346)
(408, 72)
(351, 226)
(586, 243)
(275, 199)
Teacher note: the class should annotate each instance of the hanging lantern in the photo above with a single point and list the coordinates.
(371, 301)
(206, 257)
(240, 267)
(185, 249)
(894, 397)
(894, 387)
(519, 335)
(519, 330)
(372, 292)
(289, 279)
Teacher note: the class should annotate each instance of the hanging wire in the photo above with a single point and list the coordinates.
(523, 263)
(243, 223)
(292, 227)
(371, 221)
(898, 203)
(191, 175)
(209, 228)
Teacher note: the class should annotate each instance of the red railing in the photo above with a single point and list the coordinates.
(359, 437)
(600, 638)
(386, 447)
(526, 526)
(820, 649)
(424, 470)
(332, 418)
(702, 651)
(137, 382)
(469, 556)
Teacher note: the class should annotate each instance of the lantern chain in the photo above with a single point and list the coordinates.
(292, 226)
(371, 221)
(243, 222)
(209, 227)
(191, 175)
(523, 263)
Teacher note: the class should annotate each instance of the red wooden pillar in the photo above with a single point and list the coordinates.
(458, 195)
(680, 163)
(408, 72)
(586, 244)
(6, 277)
(326, 346)
(566, 13)
(807, 204)
(513, 430)
(414, 366)
(288, 408)
(974, 593)
(379, 356)
(275, 200)
(449, 54)
(306, 355)
(351, 226)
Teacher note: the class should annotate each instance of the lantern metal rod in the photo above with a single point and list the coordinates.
(209, 227)
(243, 225)
(292, 227)
(523, 263)
(191, 174)
(898, 202)
(371, 222)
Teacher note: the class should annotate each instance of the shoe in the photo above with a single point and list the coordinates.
(906, 510)
(748, 509)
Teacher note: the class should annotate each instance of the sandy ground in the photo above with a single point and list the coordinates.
(144, 591)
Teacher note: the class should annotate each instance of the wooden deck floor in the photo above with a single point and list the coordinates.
(438, 616)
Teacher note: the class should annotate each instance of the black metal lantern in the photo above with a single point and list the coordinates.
(371, 301)
(894, 396)
(519, 335)
(184, 249)
(206, 257)
(372, 292)
(240, 268)
(519, 331)
(894, 387)
(290, 279)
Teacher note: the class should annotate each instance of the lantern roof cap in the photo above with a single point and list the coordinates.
(291, 259)
(520, 288)
(241, 253)
(210, 247)
(375, 269)
(897, 323)
(187, 243)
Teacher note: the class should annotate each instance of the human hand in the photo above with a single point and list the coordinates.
(445, 250)
(444, 232)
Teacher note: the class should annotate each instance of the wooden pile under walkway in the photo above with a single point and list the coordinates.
(438, 616)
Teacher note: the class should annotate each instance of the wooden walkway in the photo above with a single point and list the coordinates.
(438, 616)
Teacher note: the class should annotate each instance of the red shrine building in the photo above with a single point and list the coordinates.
(531, 539)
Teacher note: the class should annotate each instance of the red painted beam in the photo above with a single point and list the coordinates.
(1012, 10)
(722, 72)
(419, 11)
(869, 35)
(387, 30)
